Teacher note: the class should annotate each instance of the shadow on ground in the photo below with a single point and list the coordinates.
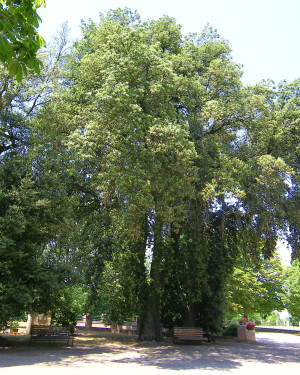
(102, 349)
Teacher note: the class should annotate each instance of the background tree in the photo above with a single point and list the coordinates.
(34, 203)
(292, 288)
(278, 138)
(239, 181)
(286, 139)
(256, 289)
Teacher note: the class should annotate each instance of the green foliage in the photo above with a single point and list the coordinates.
(292, 288)
(151, 178)
(28, 219)
(14, 325)
(19, 40)
(133, 132)
(34, 205)
(272, 318)
(256, 289)
(68, 302)
(117, 292)
(180, 154)
(276, 135)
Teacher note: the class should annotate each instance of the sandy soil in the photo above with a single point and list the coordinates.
(273, 353)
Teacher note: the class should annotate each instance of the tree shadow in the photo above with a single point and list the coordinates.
(218, 356)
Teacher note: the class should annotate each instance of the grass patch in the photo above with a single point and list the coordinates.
(103, 338)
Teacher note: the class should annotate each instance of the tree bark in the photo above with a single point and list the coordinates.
(88, 321)
(115, 328)
(151, 328)
(189, 320)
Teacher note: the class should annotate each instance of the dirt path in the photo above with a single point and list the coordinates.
(273, 353)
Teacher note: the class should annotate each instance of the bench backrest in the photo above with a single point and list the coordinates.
(188, 331)
(39, 330)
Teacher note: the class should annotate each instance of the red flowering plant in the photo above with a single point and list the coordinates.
(250, 326)
(244, 321)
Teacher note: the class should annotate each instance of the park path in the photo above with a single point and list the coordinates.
(273, 353)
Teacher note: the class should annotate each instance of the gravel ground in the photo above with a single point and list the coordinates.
(273, 353)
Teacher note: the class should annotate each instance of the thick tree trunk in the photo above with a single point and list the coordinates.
(189, 319)
(115, 328)
(150, 328)
(88, 321)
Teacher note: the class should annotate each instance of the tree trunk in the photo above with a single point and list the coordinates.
(28, 324)
(88, 321)
(115, 328)
(151, 328)
(189, 319)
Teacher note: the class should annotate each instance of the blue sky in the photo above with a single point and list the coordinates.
(263, 34)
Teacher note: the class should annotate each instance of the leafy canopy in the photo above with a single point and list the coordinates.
(292, 287)
(256, 289)
(19, 40)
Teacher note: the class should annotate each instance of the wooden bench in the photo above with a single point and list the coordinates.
(188, 334)
(51, 334)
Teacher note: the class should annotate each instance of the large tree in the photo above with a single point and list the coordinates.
(136, 140)
(178, 154)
